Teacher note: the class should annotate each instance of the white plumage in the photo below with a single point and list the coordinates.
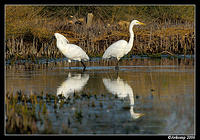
(116, 50)
(122, 89)
(72, 84)
(121, 47)
(71, 51)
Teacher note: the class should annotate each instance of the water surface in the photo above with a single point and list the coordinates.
(145, 96)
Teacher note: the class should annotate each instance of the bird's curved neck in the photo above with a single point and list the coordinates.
(130, 43)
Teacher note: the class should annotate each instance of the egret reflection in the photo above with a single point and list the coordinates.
(122, 89)
(72, 84)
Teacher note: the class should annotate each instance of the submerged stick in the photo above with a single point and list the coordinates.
(168, 53)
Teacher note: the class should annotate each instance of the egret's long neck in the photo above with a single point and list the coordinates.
(131, 97)
(130, 43)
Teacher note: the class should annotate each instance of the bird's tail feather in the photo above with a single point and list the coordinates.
(105, 56)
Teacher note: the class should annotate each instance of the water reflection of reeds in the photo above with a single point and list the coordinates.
(28, 114)
(162, 95)
(150, 70)
(51, 63)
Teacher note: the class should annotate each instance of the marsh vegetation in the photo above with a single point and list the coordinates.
(151, 93)
(169, 30)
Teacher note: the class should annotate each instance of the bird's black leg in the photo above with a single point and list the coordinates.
(117, 65)
(83, 65)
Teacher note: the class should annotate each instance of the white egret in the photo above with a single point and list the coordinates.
(71, 51)
(121, 47)
(122, 89)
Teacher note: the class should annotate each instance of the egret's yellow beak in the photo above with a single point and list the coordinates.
(142, 114)
(141, 23)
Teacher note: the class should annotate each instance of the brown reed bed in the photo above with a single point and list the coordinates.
(28, 33)
(172, 40)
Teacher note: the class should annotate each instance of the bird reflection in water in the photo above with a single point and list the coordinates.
(122, 89)
(72, 84)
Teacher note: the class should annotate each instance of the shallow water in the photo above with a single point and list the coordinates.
(145, 96)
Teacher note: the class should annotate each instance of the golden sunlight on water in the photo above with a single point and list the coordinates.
(162, 76)
(145, 96)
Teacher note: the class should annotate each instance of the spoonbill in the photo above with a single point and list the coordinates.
(71, 51)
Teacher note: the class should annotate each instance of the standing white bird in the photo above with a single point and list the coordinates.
(71, 51)
(121, 47)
